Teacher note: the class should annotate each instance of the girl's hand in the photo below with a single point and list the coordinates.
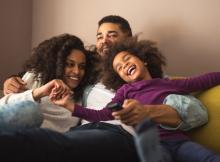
(64, 100)
(133, 112)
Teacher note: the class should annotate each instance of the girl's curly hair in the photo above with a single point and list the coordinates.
(48, 60)
(145, 50)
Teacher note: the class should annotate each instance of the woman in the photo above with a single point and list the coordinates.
(60, 61)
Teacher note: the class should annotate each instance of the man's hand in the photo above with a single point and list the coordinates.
(14, 85)
(133, 112)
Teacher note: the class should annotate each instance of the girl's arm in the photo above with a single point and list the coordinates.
(104, 114)
(82, 112)
(198, 83)
(89, 114)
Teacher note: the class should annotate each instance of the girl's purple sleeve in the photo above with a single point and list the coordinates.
(91, 114)
(200, 82)
(104, 114)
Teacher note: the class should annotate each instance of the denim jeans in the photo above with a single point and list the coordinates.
(24, 114)
(188, 151)
(91, 142)
(153, 149)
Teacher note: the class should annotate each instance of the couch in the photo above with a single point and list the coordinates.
(1, 93)
(209, 134)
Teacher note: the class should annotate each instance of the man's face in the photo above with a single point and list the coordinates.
(107, 34)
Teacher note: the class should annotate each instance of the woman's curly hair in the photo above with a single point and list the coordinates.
(48, 60)
(145, 50)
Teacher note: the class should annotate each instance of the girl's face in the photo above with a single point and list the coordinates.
(75, 68)
(130, 68)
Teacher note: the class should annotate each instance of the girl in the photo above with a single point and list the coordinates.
(60, 61)
(133, 66)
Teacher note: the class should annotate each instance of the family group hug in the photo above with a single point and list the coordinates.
(112, 102)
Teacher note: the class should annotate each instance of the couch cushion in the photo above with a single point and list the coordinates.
(208, 135)
(1, 93)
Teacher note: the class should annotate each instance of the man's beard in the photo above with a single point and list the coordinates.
(104, 50)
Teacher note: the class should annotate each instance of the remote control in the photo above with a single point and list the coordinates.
(114, 106)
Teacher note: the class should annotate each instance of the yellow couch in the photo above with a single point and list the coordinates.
(209, 134)
(1, 93)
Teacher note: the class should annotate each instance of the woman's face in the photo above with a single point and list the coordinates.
(75, 68)
(129, 67)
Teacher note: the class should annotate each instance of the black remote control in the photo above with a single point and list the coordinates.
(114, 106)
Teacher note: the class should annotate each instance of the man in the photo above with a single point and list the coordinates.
(114, 29)
(97, 140)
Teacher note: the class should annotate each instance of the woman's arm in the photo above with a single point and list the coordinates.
(56, 86)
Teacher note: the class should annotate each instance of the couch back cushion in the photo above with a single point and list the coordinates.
(209, 134)
(1, 93)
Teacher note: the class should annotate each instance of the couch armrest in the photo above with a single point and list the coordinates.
(208, 135)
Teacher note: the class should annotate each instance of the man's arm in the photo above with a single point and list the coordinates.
(163, 114)
(177, 112)
(192, 112)
(14, 84)
(133, 113)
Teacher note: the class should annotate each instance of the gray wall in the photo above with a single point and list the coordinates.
(15, 35)
(187, 32)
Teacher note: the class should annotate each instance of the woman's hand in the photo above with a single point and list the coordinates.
(59, 87)
(133, 112)
(65, 100)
